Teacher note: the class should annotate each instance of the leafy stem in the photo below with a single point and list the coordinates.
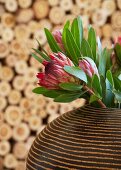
(90, 91)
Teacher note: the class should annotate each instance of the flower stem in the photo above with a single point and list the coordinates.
(91, 92)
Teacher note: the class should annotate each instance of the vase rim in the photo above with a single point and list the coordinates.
(100, 108)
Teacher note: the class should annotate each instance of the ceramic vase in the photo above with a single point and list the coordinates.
(84, 138)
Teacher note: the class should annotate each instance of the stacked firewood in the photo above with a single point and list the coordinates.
(24, 114)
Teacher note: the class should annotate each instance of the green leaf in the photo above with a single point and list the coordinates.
(77, 31)
(109, 96)
(70, 86)
(110, 78)
(39, 90)
(103, 85)
(100, 50)
(37, 58)
(96, 86)
(117, 83)
(93, 98)
(42, 49)
(71, 47)
(66, 26)
(92, 41)
(85, 49)
(52, 43)
(102, 63)
(53, 93)
(118, 51)
(48, 93)
(69, 97)
(117, 95)
(109, 60)
(77, 72)
(41, 54)
(119, 76)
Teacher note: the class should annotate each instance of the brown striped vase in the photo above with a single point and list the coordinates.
(85, 138)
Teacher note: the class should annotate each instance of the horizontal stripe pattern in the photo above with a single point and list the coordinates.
(86, 138)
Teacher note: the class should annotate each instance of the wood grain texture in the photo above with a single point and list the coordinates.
(86, 138)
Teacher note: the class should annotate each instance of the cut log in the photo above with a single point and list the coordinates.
(1, 117)
(4, 88)
(13, 115)
(45, 23)
(21, 165)
(7, 35)
(107, 31)
(41, 8)
(22, 32)
(25, 15)
(14, 97)
(109, 6)
(30, 75)
(28, 91)
(21, 67)
(10, 161)
(115, 20)
(8, 20)
(11, 5)
(3, 103)
(4, 148)
(19, 82)
(21, 132)
(5, 131)
(4, 49)
(6, 73)
(56, 15)
(99, 17)
(53, 2)
(25, 104)
(11, 60)
(20, 150)
(24, 3)
(66, 4)
(119, 4)
(52, 108)
(40, 36)
(75, 10)
(34, 123)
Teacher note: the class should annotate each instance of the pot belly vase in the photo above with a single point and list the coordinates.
(85, 138)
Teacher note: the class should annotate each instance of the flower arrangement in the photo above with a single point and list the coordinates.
(79, 67)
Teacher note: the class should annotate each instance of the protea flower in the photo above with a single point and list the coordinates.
(118, 40)
(58, 37)
(54, 72)
(88, 66)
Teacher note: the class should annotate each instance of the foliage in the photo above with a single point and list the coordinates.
(103, 88)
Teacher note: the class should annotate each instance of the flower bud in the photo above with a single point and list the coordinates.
(58, 37)
(88, 66)
(118, 40)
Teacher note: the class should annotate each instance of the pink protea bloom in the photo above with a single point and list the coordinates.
(58, 37)
(88, 66)
(54, 72)
(118, 40)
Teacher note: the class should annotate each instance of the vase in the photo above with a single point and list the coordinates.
(85, 138)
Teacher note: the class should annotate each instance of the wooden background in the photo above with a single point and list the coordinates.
(22, 113)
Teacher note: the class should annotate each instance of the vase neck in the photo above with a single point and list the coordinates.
(89, 110)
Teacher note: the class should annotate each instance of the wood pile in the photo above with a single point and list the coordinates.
(24, 114)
